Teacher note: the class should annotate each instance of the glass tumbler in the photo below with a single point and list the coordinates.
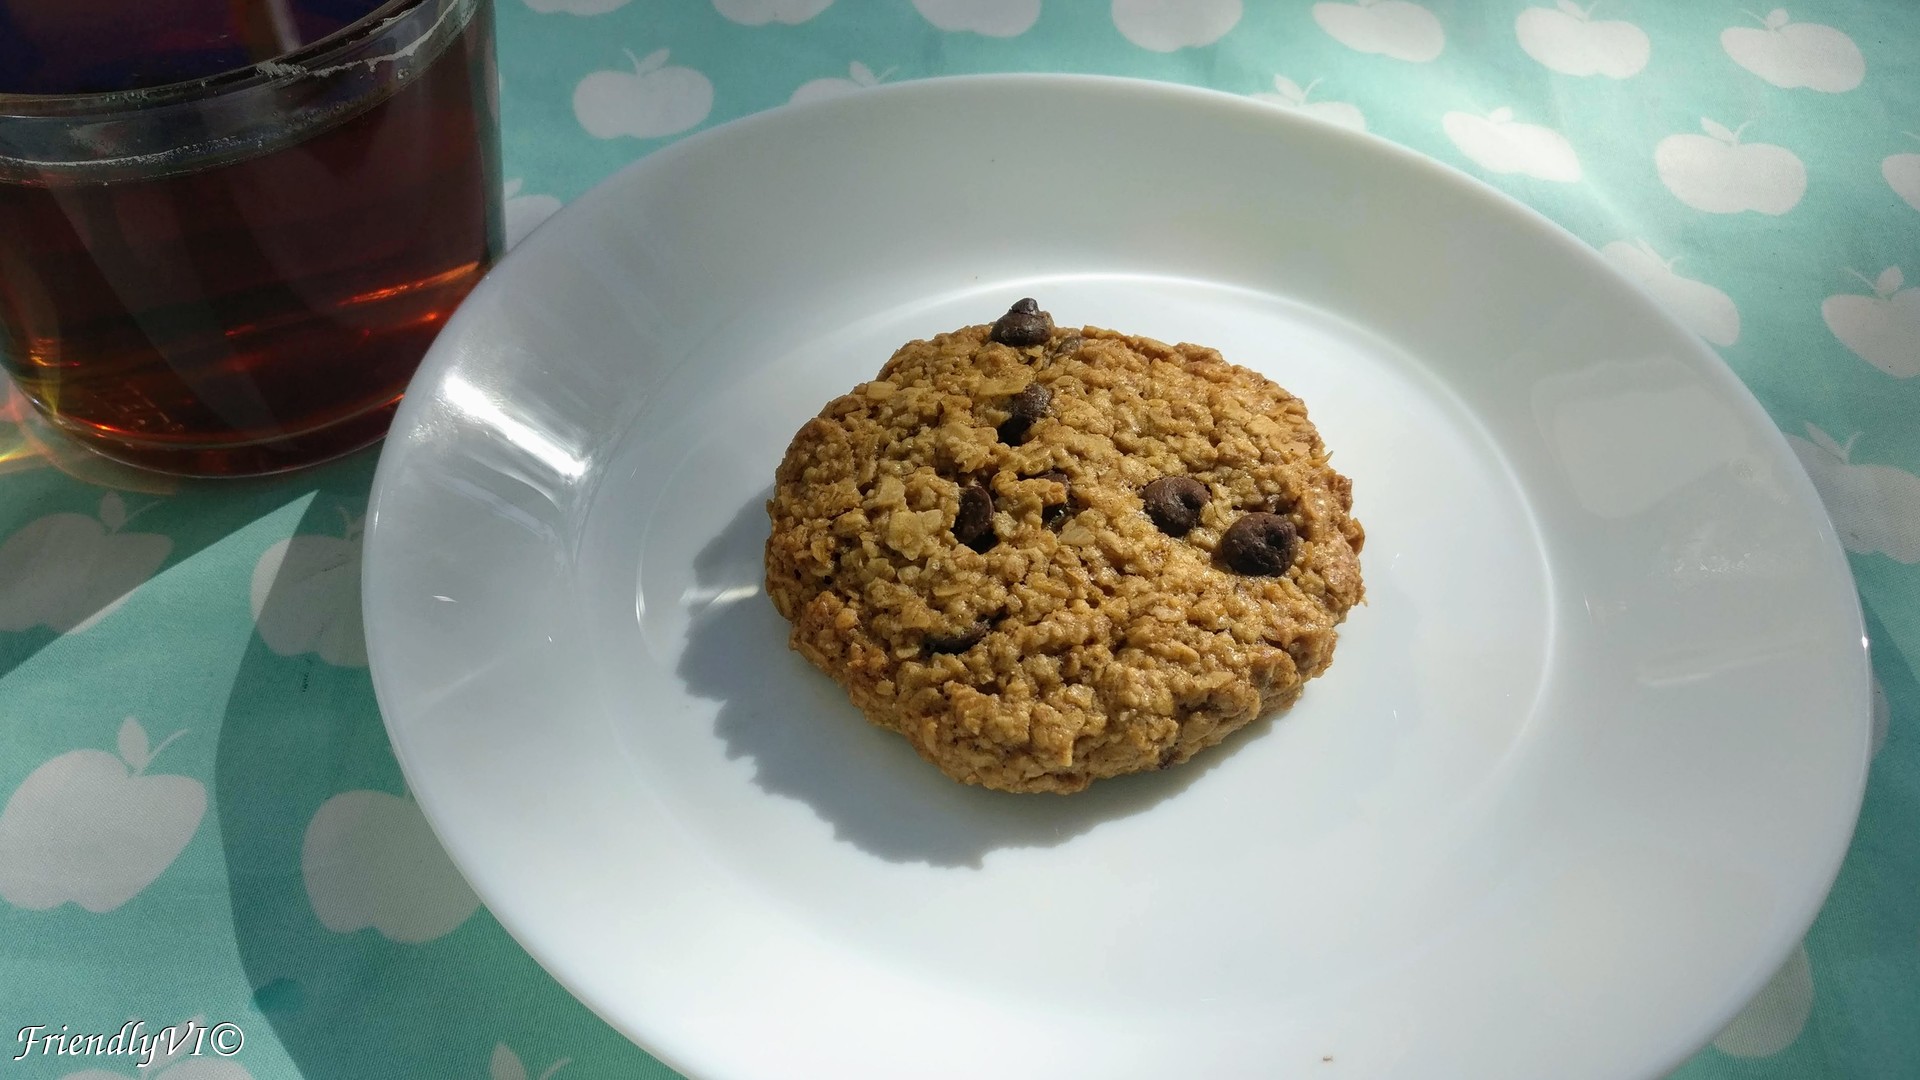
(230, 228)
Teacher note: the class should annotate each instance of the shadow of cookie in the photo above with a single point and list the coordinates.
(807, 742)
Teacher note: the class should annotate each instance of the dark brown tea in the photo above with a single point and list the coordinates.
(264, 307)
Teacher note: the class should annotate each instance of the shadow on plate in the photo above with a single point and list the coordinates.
(807, 742)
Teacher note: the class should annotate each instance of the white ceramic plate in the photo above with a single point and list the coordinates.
(1579, 777)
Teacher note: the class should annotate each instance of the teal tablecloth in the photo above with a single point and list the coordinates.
(184, 699)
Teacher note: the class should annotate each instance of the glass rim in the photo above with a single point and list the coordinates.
(286, 67)
(231, 115)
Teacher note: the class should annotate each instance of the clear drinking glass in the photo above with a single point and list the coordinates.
(230, 228)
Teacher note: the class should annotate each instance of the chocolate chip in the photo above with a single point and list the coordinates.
(1174, 503)
(1024, 324)
(960, 642)
(1053, 514)
(973, 525)
(1026, 407)
(1259, 544)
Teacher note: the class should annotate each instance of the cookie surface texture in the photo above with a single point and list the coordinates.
(1029, 550)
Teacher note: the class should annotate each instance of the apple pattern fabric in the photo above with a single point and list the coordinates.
(1291, 95)
(68, 571)
(524, 212)
(1567, 38)
(1902, 172)
(305, 596)
(1396, 28)
(1003, 20)
(1498, 143)
(200, 815)
(1718, 173)
(506, 1065)
(648, 102)
(761, 12)
(859, 77)
(95, 828)
(369, 860)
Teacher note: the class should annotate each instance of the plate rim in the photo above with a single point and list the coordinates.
(442, 358)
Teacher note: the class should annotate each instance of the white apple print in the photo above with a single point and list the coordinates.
(94, 828)
(1706, 310)
(859, 77)
(1498, 144)
(651, 101)
(1395, 28)
(523, 212)
(1882, 329)
(1777, 1014)
(576, 7)
(1791, 54)
(306, 597)
(370, 860)
(68, 571)
(1291, 95)
(506, 1065)
(1718, 173)
(993, 18)
(762, 12)
(1903, 175)
(1568, 40)
(1166, 25)
(1874, 507)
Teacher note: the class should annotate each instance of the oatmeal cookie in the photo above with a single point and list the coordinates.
(1050, 555)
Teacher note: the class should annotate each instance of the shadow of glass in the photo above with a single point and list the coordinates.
(412, 977)
(807, 742)
(83, 546)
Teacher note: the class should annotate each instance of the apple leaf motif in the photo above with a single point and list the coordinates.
(141, 757)
(132, 744)
(1775, 1017)
(861, 74)
(1826, 442)
(1777, 18)
(1501, 115)
(1572, 9)
(81, 829)
(1289, 89)
(1888, 282)
(1652, 253)
(655, 60)
(305, 596)
(506, 1064)
(113, 511)
(1718, 131)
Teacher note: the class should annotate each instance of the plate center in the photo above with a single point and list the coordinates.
(1299, 831)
